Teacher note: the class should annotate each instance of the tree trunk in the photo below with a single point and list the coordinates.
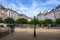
(41, 25)
(49, 25)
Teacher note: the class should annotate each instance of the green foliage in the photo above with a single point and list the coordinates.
(22, 21)
(1, 21)
(41, 22)
(34, 21)
(48, 21)
(57, 21)
(9, 20)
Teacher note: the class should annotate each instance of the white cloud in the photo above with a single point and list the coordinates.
(34, 8)
(30, 11)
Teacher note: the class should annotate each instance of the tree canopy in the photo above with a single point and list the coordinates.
(22, 21)
(34, 21)
(57, 21)
(9, 20)
(48, 21)
(1, 21)
(41, 22)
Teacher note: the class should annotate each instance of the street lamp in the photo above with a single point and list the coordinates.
(34, 27)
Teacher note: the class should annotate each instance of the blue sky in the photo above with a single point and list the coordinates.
(30, 7)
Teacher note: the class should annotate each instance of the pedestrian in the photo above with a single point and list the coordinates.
(12, 28)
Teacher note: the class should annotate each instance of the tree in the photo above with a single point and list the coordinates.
(9, 20)
(48, 22)
(57, 21)
(22, 21)
(34, 21)
(1, 21)
(41, 23)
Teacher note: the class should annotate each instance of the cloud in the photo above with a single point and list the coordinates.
(30, 11)
(33, 9)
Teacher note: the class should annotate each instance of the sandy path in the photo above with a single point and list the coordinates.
(27, 34)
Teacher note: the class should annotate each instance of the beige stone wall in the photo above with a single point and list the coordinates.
(2, 13)
(5, 13)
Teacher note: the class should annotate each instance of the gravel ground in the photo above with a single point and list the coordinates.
(27, 34)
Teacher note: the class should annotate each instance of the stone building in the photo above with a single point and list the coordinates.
(12, 14)
(53, 14)
(6, 12)
(24, 16)
(42, 15)
(3, 12)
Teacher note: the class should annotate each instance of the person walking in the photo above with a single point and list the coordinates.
(11, 28)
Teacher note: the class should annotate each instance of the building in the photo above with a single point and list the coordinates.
(42, 15)
(24, 16)
(2, 12)
(12, 14)
(9, 13)
(53, 14)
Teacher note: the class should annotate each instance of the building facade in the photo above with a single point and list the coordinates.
(24, 16)
(9, 13)
(3, 12)
(53, 14)
(42, 15)
(12, 14)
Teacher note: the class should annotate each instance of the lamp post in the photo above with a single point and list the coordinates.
(34, 27)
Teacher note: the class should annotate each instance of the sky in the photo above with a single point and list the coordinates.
(30, 7)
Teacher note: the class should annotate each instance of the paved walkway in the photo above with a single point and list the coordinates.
(27, 34)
